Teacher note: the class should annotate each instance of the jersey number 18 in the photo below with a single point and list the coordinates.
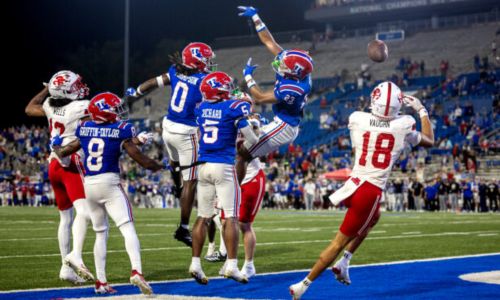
(380, 150)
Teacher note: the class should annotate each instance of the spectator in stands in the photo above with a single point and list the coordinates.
(310, 190)
(493, 195)
(477, 63)
(430, 192)
(454, 194)
(422, 68)
(147, 105)
(482, 191)
(417, 190)
(468, 196)
(442, 194)
(323, 103)
(398, 195)
(443, 67)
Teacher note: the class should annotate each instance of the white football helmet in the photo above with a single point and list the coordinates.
(67, 85)
(386, 100)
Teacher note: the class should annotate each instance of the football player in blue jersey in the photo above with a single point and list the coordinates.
(179, 125)
(293, 69)
(102, 140)
(220, 119)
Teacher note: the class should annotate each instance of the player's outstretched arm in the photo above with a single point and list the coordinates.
(264, 34)
(259, 96)
(148, 86)
(34, 107)
(140, 158)
(427, 133)
(68, 149)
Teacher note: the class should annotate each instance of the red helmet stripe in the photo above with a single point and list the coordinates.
(388, 103)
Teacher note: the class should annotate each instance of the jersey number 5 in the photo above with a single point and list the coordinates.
(211, 131)
(380, 150)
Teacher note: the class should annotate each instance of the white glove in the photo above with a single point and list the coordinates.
(413, 103)
(145, 137)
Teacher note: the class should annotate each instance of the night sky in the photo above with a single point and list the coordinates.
(39, 33)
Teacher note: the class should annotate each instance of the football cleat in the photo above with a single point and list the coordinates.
(67, 274)
(198, 275)
(216, 257)
(222, 270)
(235, 275)
(297, 290)
(248, 270)
(79, 268)
(102, 288)
(341, 272)
(184, 235)
(138, 280)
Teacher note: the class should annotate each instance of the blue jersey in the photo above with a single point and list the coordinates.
(219, 123)
(102, 145)
(186, 96)
(292, 96)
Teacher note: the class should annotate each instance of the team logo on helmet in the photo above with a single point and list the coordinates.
(59, 80)
(214, 83)
(376, 94)
(298, 69)
(102, 105)
(196, 52)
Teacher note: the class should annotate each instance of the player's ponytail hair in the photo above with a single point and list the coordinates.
(176, 60)
(59, 102)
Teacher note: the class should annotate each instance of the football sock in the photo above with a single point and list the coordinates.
(100, 247)
(232, 264)
(306, 282)
(185, 226)
(248, 262)
(222, 246)
(132, 245)
(347, 256)
(64, 231)
(196, 263)
(79, 229)
(211, 248)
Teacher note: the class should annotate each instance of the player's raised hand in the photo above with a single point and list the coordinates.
(145, 137)
(413, 102)
(249, 68)
(131, 92)
(247, 11)
(56, 141)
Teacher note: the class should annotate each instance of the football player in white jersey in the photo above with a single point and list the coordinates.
(62, 102)
(378, 138)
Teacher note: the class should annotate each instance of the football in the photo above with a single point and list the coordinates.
(378, 51)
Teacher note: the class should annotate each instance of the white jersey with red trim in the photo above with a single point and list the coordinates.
(253, 169)
(64, 120)
(378, 144)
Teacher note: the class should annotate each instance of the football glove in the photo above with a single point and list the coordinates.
(413, 102)
(131, 92)
(247, 11)
(249, 68)
(56, 141)
(145, 137)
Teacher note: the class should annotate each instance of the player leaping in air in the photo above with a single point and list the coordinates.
(102, 141)
(293, 69)
(179, 125)
(378, 139)
(220, 119)
(63, 102)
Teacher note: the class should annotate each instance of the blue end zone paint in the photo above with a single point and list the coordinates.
(422, 279)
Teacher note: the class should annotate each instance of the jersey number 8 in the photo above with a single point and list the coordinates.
(94, 161)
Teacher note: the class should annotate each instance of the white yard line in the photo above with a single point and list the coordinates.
(280, 272)
(459, 233)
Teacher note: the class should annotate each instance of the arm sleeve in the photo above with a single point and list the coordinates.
(250, 137)
(413, 137)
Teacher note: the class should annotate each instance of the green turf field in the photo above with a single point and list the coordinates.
(287, 240)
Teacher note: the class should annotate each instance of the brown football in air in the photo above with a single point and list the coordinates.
(377, 51)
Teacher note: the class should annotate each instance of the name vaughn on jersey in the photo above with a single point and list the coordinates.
(100, 132)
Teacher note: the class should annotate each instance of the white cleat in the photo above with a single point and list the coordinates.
(235, 275)
(103, 288)
(198, 275)
(222, 270)
(67, 274)
(79, 268)
(341, 272)
(248, 271)
(138, 280)
(297, 290)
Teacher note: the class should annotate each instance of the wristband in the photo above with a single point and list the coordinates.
(259, 25)
(138, 91)
(423, 113)
(159, 81)
(250, 81)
